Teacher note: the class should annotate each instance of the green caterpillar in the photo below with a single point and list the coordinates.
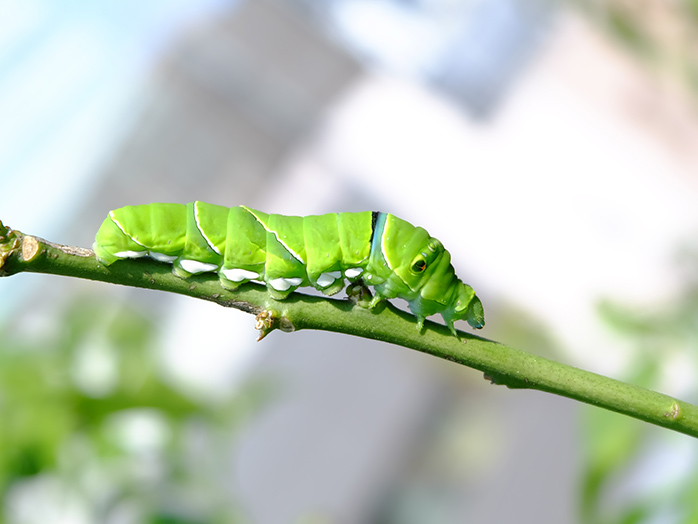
(286, 252)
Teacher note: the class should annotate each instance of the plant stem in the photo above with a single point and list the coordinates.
(502, 364)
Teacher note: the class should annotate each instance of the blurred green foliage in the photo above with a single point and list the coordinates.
(662, 34)
(633, 472)
(626, 28)
(91, 431)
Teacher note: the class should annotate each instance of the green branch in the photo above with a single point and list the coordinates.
(500, 363)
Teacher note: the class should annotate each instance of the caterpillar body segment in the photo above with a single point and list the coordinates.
(242, 244)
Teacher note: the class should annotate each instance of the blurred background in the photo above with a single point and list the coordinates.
(552, 146)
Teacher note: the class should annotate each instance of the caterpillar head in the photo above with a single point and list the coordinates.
(442, 292)
(465, 306)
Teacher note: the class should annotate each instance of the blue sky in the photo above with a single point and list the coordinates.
(69, 76)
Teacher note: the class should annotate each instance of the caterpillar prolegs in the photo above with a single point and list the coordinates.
(287, 252)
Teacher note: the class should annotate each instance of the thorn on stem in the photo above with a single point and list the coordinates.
(269, 320)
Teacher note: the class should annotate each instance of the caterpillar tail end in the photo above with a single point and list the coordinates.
(103, 255)
(466, 306)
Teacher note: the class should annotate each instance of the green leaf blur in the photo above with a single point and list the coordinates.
(622, 452)
(112, 438)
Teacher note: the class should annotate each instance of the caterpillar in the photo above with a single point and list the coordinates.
(242, 244)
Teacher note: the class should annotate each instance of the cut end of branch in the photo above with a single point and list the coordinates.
(30, 248)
